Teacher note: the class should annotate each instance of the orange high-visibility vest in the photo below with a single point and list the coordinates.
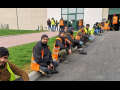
(77, 36)
(71, 37)
(34, 65)
(61, 23)
(80, 23)
(115, 19)
(106, 26)
(56, 49)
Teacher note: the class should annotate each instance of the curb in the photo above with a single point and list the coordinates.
(34, 75)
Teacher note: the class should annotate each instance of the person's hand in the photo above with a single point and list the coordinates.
(90, 38)
(69, 51)
(80, 42)
(51, 65)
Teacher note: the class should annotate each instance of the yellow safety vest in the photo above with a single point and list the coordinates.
(52, 22)
(12, 75)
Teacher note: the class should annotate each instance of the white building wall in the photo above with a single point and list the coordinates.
(92, 15)
(54, 12)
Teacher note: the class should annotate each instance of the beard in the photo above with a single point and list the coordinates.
(2, 64)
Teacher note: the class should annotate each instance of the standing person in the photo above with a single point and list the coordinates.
(74, 42)
(80, 23)
(56, 26)
(53, 24)
(114, 21)
(49, 24)
(9, 70)
(42, 59)
(61, 48)
(61, 24)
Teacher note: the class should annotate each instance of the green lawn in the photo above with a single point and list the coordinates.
(4, 32)
(21, 55)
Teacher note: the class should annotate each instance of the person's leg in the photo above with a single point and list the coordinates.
(44, 70)
(63, 55)
(19, 79)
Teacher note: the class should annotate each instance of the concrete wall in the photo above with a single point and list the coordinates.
(8, 16)
(28, 18)
(31, 18)
(92, 15)
(105, 12)
(54, 12)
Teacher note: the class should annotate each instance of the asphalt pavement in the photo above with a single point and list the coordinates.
(102, 62)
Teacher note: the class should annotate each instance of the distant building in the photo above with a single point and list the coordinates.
(31, 18)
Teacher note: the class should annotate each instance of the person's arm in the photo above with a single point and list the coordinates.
(50, 57)
(81, 34)
(68, 45)
(19, 72)
(72, 40)
(58, 43)
(37, 54)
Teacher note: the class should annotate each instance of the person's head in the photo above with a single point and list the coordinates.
(62, 18)
(87, 26)
(65, 28)
(52, 18)
(82, 28)
(97, 24)
(4, 54)
(114, 14)
(62, 34)
(70, 30)
(44, 39)
(48, 18)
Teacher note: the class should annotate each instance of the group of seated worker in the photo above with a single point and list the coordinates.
(45, 62)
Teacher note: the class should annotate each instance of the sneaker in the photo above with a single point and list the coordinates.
(82, 52)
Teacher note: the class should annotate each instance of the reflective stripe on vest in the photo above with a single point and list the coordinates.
(34, 65)
(115, 19)
(71, 37)
(56, 49)
(61, 23)
(77, 36)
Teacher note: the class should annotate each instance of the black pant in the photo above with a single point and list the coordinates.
(46, 70)
(84, 39)
(19, 79)
(61, 28)
(78, 45)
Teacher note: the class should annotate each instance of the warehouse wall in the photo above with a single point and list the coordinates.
(8, 16)
(31, 18)
(28, 18)
(92, 15)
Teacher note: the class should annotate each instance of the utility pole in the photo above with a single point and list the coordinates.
(17, 19)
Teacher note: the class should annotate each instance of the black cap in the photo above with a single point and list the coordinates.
(44, 35)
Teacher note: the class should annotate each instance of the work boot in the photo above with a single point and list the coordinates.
(55, 71)
(99, 34)
(82, 52)
(44, 74)
(64, 61)
(84, 45)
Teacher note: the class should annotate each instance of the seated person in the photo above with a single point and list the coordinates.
(61, 48)
(74, 42)
(82, 36)
(42, 59)
(96, 28)
(102, 28)
(9, 70)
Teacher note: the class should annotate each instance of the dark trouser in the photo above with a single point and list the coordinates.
(84, 39)
(46, 70)
(78, 45)
(114, 26)
(61, 28)
(19, 79)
